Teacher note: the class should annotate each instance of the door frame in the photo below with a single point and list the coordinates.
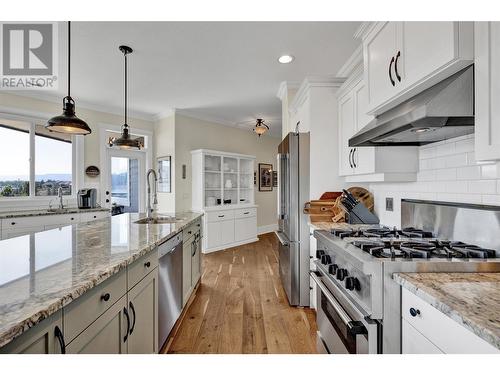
(145, 157)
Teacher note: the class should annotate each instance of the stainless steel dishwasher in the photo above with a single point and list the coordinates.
(169, 286)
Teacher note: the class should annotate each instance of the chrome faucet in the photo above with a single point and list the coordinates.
(149, 209)
(60, 197)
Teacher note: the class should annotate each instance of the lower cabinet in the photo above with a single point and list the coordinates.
(107, 335)
(187, 249)
(143, 310)
(196, 261)
(44, 338)
(245, 229)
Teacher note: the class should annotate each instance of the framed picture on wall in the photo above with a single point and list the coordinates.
(164, 174)
(265, 177)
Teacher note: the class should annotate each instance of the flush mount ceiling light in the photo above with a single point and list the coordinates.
(420, 130)
(260, 128)
(67, 122)
(125, 142)
(286, 59)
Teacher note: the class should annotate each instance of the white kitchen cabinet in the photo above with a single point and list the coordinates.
(487, 90)
(196, 261)
(223, 187)
(41, 339)
(143, 310)
(428, 330)
(312, 267)
(107, 335)
(368, 164)
(402, 59)
(187, 251)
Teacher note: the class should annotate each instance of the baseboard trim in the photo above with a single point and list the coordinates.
(229, 245)
(267, 228)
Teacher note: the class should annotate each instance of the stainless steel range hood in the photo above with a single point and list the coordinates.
(443, 111)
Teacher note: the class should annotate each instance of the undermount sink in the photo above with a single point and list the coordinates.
(160, 220)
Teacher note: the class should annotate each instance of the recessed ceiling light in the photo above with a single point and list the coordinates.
(286, 59)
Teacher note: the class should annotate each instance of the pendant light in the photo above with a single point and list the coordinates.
(260, 127)
(67, 122)
(125, 142)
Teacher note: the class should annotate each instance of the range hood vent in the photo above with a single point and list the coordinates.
(445, 110)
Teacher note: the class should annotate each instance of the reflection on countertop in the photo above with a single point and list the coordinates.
(66, 210)
(44, 271)
(470, 299)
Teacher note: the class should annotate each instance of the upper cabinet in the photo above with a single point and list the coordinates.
(367, 164)
(402, 59)
(487, 94)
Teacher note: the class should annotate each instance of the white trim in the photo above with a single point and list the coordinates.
(364, 29)
(51, 98)
(352, 63)
(222, 153)
(310, 82)
(229, 245)
(284, 87)
(164, 114)
(267, 229)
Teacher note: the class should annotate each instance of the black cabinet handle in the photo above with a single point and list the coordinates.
(105, 297)
(107, 200)
(133, 322)
(246, 213)
(107, 192)
(221, 215)
(125, 311)
(350, 162)
(95, 217)
(390, 72)
(72, 218)
(60, 337)
(353, 161)
(414, 312)
(396, 66)
(198, 225)
(147, 264)
(13, 223)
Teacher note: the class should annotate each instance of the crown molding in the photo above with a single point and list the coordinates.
(164, 114)
(284, 87)
(314, 82)
(354, 78)
(51, 98)
(364, 29)
(355, 60)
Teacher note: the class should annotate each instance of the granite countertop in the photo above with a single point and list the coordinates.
(43, 272)
(327, 225)
(30, 213)
(470, 299)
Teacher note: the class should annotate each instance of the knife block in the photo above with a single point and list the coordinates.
(361, 215)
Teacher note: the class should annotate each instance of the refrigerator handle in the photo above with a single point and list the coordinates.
(282, 187)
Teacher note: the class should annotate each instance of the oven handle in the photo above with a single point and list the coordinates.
(343, 315)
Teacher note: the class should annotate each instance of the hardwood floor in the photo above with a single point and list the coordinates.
(241, 307)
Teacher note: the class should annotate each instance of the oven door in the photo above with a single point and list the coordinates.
(340, 331)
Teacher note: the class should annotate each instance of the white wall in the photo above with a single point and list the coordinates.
(192, 134)
(164, 140)
(448, 172)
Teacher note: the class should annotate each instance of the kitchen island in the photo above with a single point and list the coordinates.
(43, 272)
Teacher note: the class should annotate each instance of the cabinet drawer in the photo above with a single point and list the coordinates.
(414, 342)
(141, 267)
(245, 212)
(79, 314)
(442, 331)
(220, 215)
(91, 216)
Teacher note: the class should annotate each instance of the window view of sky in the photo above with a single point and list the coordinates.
(14, 154)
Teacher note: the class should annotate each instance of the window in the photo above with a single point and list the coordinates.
(34, 161)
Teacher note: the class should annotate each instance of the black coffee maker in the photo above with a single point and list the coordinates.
(87, 198)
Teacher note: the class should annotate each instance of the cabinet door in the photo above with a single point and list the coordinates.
(379, 50)
(107, 335)
(413, 342)
(346, 130)
(196, 263)
(187, 249)
(214, 234)
(245, 229)
(487, 90)
(40, 339)
(363, 157)
(143, 309)
(227, 231)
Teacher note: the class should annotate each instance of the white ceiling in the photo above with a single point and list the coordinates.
(224, 71)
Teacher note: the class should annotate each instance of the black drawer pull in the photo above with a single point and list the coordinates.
(246, 213)
(13, 223)
(396, 66)
(414, 312)
(131, 305)
(147, 264)
(221, 215)
(105, 297)
(390, 72)
(125, 311)
(72, 218)
(95, 217)
(60, 337)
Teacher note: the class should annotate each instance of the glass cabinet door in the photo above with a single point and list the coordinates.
(230, 180)
(213, 180)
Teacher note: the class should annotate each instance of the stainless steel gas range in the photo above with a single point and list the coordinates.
(359, 304)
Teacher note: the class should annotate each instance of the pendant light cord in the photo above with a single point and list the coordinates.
(125, 53)
(69, 57)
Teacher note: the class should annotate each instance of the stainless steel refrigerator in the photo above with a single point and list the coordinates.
(293, 232)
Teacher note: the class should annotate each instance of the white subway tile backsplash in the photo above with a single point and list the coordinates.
(489, 171)
(472, 172)
(482, 187)
(446, 174)
(426, 153)
(456, 187)
(446, 149)
(491, 199)
(429, 175)
(457, 160)
(466, 145)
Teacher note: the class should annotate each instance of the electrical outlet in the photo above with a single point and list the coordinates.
(389, 204)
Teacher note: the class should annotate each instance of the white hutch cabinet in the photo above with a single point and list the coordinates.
(223, 188)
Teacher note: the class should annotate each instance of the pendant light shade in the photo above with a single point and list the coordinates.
(125, 142)
(260, 127)
(67, 122)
